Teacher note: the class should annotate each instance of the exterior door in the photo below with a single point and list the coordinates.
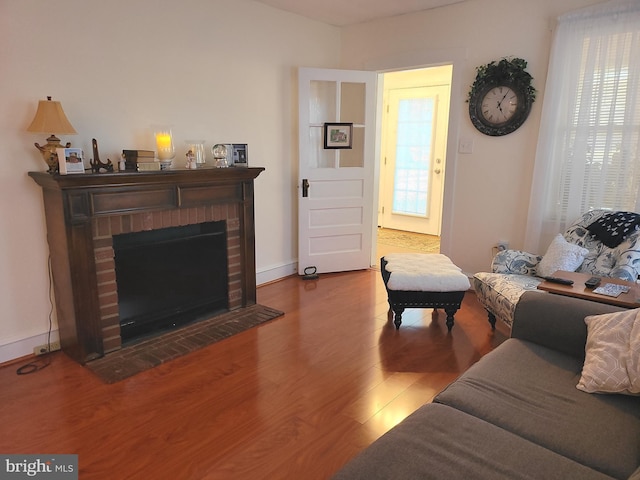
(335, 188)
(414, 156)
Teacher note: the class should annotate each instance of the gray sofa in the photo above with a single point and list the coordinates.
(517, 412)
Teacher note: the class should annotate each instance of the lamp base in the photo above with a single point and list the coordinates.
(49, 153)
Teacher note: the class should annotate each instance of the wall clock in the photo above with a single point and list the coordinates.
(501, 97)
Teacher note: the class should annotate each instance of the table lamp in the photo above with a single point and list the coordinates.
(50, 118)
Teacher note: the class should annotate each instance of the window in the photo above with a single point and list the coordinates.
(588, 153)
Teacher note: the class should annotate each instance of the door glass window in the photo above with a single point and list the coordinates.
(413, 156)
(336, 102)
(318, 156)
(322, 101)
(352, 101)
(354, 157)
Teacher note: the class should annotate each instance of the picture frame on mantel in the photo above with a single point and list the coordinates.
(240, 155)
(338, 135)
(70, 160)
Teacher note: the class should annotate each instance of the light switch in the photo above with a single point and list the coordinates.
(465, 145)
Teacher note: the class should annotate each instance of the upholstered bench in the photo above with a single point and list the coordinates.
(423, 280)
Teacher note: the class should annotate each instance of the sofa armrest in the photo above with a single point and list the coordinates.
(556, 321)
(515, 261)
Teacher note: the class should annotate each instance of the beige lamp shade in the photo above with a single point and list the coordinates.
(50, 118)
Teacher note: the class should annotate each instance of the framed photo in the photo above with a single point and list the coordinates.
(70, 160)
(240, 155)
(338, 135)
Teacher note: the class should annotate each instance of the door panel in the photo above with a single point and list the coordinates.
(335, 214)
(414, 158)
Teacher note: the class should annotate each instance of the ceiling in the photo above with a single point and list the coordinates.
(342, 13)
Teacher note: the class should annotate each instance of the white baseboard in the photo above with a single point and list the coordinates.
(270, 274)
(24, 347)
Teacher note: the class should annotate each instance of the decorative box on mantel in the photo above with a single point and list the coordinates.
(83, 212)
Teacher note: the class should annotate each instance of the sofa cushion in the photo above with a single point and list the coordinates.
(529, 390)
(612, 360)
(437, 442)
(561, 255)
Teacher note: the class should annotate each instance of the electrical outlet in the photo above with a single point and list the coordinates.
(42, 349)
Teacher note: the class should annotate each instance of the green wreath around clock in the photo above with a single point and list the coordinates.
(501, 97)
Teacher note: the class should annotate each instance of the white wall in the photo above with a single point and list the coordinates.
(489, 190)
(224, 71)
(219, 70)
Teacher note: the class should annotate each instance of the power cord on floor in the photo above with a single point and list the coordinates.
(42, 361)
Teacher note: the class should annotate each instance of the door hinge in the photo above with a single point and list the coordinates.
(383, 210)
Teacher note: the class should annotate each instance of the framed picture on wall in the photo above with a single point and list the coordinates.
(338, 135)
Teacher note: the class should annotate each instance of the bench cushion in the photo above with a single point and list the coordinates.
(424, 272)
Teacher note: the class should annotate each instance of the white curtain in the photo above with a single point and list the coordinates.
(588, 153)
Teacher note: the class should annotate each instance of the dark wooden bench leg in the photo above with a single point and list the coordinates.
(397, 316)
(492, 320)
(450, 313)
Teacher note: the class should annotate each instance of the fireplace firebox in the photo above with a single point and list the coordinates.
(85, 215)
(170, 277)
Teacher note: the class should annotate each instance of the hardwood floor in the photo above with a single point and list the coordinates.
(294, 398)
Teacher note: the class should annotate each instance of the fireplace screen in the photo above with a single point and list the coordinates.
(170, 276)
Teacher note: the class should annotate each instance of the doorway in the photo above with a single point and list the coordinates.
(415, 117)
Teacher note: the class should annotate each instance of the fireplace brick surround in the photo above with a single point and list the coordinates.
(84, 212)
(104, 228)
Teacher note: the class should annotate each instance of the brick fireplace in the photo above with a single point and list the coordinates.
(84, 212)
(104, 228)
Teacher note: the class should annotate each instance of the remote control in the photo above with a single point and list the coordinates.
(593, 282)
(563, 281)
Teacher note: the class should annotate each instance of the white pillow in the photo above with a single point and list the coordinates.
(561, 255)
(612, 361)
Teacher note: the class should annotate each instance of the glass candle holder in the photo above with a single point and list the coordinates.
(197, 149)
(164, 143)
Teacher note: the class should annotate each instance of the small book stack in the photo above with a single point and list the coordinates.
(140, 160)
(70, 160)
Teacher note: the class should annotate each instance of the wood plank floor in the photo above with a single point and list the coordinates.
(294, 398)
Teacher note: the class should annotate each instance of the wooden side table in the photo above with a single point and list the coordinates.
(631, 299)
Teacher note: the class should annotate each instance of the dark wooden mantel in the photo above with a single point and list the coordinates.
(71, 204)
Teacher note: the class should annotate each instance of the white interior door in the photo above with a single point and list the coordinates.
(335, 188)
(414, 156)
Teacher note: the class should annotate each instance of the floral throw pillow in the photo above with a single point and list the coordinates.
(612, 361)
(561, 255)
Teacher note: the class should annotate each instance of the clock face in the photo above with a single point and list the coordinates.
(498, 108)
(499, 105)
